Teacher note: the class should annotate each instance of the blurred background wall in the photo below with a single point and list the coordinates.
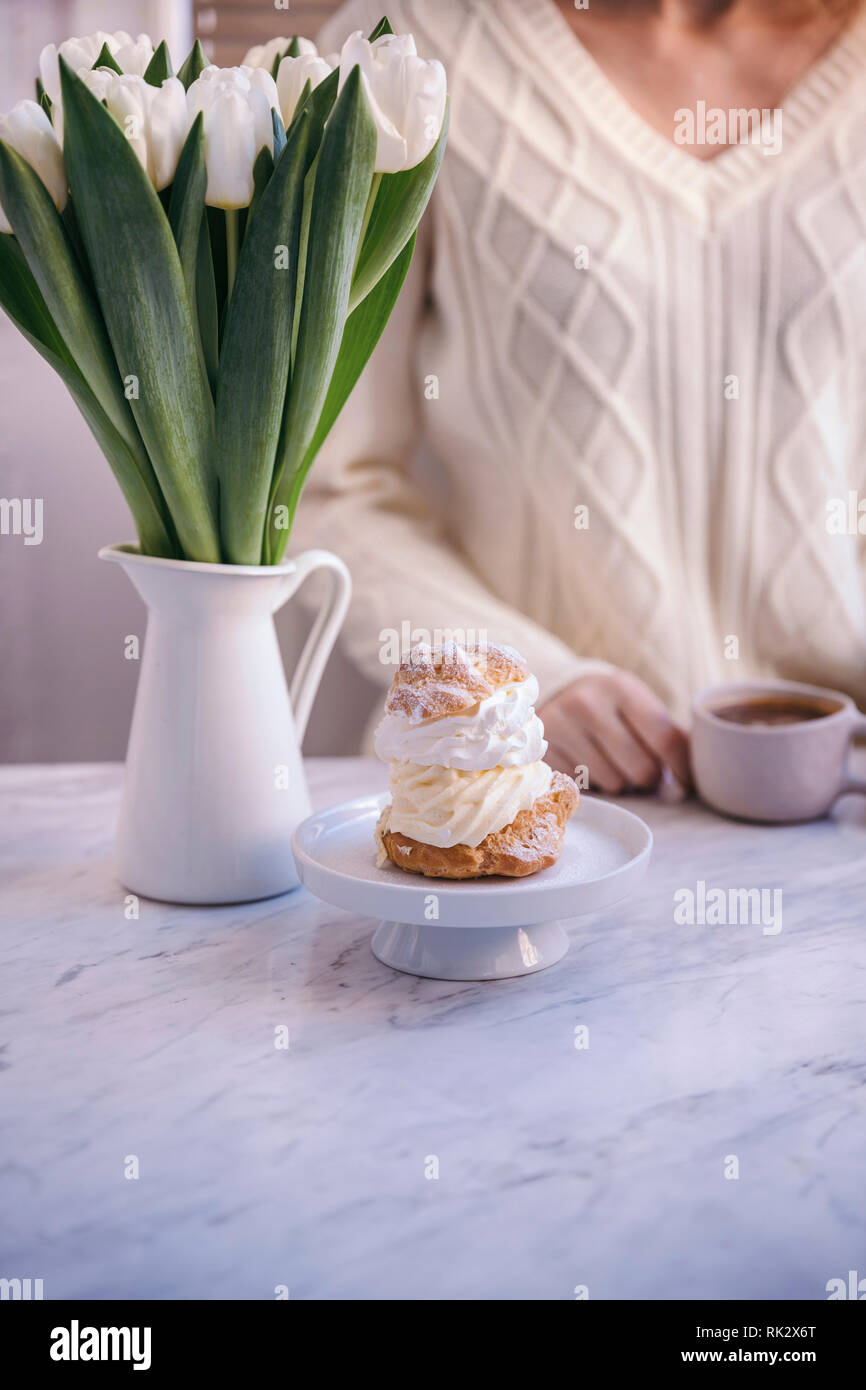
(229, 27)
(66, 690)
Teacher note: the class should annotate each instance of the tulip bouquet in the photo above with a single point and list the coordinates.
(208, 259)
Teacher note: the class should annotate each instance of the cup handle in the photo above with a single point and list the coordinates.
(854, 784)
(323, 634)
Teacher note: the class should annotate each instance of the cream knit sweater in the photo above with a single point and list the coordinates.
(597, 319)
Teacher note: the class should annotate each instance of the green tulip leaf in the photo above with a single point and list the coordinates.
(256, 353)
(363, 330)
(193, 65)
(206, 304)
(70, 223)
(187, 220)
(22, 300)
(106, 59)
(216, 222)
(278, 58)
(140, 285)
(344, 175)
(383, 27)
(159, 67)
(48, 251)
(279, 133)
(262, 171)
(321, 103)
(186, 207)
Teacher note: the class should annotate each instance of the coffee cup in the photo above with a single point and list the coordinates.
(773, 750)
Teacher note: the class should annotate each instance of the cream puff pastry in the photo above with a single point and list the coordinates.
(470, 793)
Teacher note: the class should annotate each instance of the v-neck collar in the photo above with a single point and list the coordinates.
(709, 188)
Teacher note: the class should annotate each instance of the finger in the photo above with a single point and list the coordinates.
(656, 731)
(602, 772)
(637, 766)
(585, 757)
(597, 728)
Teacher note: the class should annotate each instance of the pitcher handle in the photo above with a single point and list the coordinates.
(853, 784)
(323, 634)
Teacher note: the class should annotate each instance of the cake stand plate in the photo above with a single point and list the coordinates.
(475, 929)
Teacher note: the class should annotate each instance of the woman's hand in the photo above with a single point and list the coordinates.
(611, 723)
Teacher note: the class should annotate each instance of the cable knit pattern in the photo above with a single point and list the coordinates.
(607, 385)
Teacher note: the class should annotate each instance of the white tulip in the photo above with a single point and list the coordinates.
(28, 130)
(131, 55)
(237, 105)
(293, 75)
(153, 119)
(263, 54)
(407, 97)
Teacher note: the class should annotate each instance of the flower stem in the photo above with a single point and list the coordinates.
(231, 247)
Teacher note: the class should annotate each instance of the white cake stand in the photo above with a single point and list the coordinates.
(479, 929)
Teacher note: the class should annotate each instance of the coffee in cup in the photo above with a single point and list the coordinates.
(773, 750)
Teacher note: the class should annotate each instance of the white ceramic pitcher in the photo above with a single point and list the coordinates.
(214, 782)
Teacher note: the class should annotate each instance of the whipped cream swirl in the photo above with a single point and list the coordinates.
(445, 806)
(501, 731)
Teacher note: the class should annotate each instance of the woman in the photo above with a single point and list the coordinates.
(635, 358)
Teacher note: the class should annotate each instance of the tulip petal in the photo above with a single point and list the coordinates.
(230, 151)
(406, 96)
(399, 207)
(237, 105)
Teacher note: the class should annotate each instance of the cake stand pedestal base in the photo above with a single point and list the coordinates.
(469, 953)
(482, 928)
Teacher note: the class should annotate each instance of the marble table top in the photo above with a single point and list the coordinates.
(675, 1110)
